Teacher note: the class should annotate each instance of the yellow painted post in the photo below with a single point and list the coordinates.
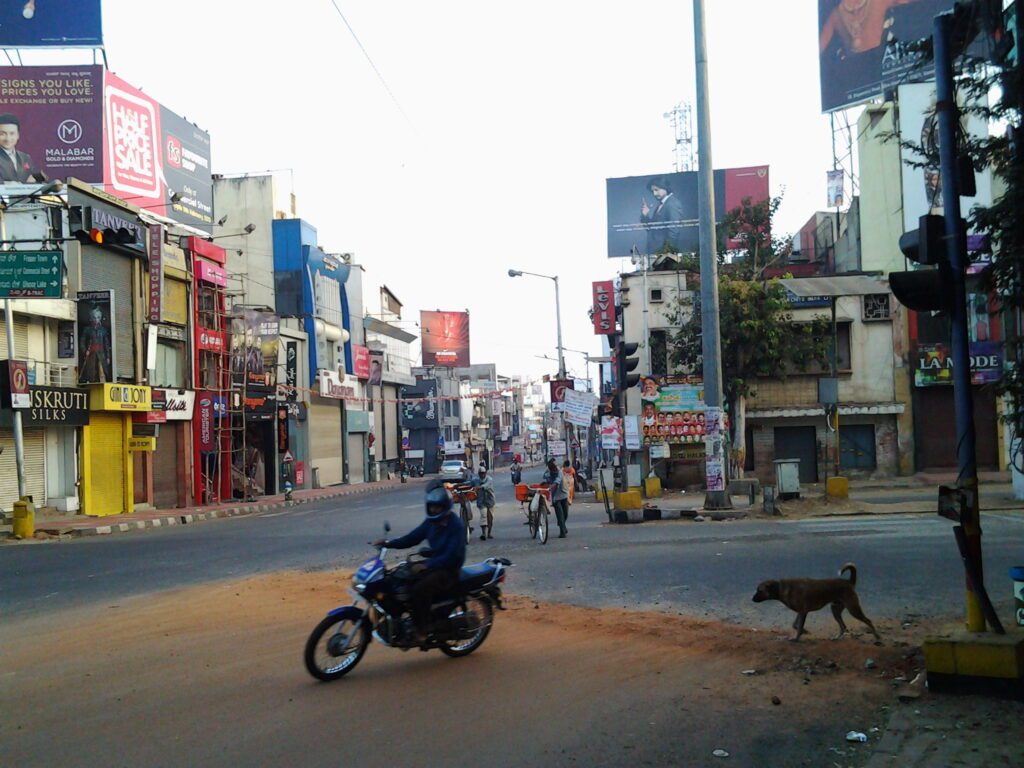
(24, 519)
(128, 498)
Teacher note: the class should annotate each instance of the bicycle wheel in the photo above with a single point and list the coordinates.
(464, 513)
(531, 518)
(542, 523)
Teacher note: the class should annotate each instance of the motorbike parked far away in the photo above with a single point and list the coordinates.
(462, 620)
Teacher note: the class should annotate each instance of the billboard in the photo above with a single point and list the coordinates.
(445, 338)
(864, 46)
(51, 23)
(255, 336)
(673, 410)
(154, 158)
(51, 123)
(922, 187)
(659, 213)
(96, 359)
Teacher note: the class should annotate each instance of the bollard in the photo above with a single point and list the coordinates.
(24, 518)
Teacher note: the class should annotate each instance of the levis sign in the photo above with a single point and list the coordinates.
(604, 307)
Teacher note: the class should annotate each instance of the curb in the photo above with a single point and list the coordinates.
(213, 513)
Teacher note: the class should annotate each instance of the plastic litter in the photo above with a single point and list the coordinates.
(720, 753)
(749, 671)
(857, 736)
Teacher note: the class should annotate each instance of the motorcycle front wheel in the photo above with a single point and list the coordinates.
(335, 647)
(478, 610)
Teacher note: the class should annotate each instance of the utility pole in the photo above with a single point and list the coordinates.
(716, 497)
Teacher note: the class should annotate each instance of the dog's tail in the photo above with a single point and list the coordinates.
(853, 573)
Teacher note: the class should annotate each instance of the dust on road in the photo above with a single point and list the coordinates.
(212, 676)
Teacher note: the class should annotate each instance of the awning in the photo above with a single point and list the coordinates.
(836, 285)
(387, 329)
(796, 412)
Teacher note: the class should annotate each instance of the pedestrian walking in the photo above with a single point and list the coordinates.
(559, 495)
(485, 502)
(570, 481)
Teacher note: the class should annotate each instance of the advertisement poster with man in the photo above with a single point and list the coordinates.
(445, 338)
(659, 214)
(672, 410)
(255, 336)
(51, 123)
(96, 359)
(51, 24)
(866, 46)
(922, 186)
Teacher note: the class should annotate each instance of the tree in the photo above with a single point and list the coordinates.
(760, 338)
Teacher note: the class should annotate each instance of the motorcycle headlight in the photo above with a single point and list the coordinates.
(359, 587)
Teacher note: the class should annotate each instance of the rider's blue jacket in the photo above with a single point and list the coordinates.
(447, 542)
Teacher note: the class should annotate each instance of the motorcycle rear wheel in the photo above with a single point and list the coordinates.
(325, 660)
(481, 608)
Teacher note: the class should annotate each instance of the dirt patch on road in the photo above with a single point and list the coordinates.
(212, 675)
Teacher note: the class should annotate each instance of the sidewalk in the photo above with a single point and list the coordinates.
(83, 525)
(944, 730)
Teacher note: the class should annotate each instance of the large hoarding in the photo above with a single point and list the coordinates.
(865, 46)
(154, 158)
(445, 338)
(659, 213)
(922, 186)
(51, 123)
(51, 24)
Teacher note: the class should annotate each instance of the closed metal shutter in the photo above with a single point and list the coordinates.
(103, 269)
(35, 468)
(325, 442)
(356, 458)
(20, 339)
(106, 469)
(165, 466)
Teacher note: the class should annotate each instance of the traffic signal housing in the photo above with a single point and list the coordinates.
(625, 363)
(108, 236)
(925, 290)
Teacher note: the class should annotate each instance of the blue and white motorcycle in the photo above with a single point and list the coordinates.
(462, 620)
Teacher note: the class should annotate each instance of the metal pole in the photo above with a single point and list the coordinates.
(948, 117)
(647, 334)
(19, 438)
(711, 338)
(561, 362)
(835, 375)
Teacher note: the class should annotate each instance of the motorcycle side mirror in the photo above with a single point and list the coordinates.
(387, 527)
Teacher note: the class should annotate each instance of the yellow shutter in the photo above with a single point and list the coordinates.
(104, 473)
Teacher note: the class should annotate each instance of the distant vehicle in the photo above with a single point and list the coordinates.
(454, 470)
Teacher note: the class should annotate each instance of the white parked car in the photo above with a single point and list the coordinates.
(454, 470)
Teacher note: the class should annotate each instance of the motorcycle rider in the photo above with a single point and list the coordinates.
(438, 575)
(516, 471)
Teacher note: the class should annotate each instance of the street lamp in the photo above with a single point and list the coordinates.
(558, 314)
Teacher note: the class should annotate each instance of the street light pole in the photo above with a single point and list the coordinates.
(717, 497)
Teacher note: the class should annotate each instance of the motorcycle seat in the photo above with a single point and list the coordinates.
(475, 575)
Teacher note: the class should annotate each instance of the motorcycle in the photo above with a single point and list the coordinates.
(461, 620)
(517, 476)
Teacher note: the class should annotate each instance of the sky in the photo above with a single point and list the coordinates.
(489, 147)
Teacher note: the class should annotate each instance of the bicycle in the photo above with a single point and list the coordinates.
(463, 495)
(537, 500)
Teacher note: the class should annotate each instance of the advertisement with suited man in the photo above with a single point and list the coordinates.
(51, 124)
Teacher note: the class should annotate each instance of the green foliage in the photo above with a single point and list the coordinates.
(749, 226)
(759, 336)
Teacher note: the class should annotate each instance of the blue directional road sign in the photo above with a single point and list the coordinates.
(31, 274)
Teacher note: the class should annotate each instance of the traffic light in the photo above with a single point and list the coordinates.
(925, 290)
(98, 236)
(624, 364)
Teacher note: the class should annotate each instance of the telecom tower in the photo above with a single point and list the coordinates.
(681, 119)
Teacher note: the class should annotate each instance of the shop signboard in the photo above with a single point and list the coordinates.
(155, 286)
(120, 397)
(210, 341)
(204, 415)
(178, 404)
(147, 444)
(337, 386)
(604, 307)
(935, 364)
(211, 273)
(361, 361)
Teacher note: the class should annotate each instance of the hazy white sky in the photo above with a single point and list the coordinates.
(514, 115)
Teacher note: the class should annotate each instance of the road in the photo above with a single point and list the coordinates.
(623, 645)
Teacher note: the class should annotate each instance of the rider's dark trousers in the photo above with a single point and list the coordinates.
(431, 586)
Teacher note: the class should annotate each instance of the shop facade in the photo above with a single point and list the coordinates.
(107, 466)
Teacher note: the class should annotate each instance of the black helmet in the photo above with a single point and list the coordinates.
(438, 502)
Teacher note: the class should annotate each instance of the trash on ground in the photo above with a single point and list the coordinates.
(857, 736)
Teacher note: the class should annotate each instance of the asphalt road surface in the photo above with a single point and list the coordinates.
(625, 645)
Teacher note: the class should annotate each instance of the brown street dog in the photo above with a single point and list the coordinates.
(806, 595)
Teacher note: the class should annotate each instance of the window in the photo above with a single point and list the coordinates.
(876, 307)
(207, 300)
(656, 297)
(843, 362)
(659, 353)
(207, 370)
(170, 365)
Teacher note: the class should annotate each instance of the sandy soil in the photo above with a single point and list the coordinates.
(213, 676)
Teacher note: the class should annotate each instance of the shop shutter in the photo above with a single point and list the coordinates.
(325, 442)
(103, 269)
(356, 458)
(106, 463)
(165, 466)
(20, 340)
(35, 468)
